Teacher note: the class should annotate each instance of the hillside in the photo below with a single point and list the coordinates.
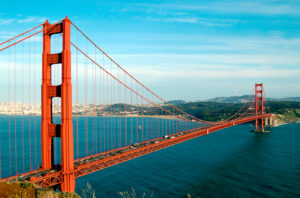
(286, 111)
(231, 99)
(242, 99)
(25, 189)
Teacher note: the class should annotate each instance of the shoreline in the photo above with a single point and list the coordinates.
(280, 118)
(283, 119)
(121, 116)
(284, 123)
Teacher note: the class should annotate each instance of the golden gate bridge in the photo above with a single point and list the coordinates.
(71, 110)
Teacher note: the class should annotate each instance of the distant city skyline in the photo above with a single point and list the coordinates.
(190, 50)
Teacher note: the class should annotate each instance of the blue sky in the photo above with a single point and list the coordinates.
(188, 50)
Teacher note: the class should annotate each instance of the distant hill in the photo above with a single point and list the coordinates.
(176, 102)
(231, 99)
(291, 99)
(242, 99)
(288, 111)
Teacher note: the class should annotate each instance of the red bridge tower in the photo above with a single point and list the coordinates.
(259, 107)
(64, 91)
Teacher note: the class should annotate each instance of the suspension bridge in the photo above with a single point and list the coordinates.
(68, 109)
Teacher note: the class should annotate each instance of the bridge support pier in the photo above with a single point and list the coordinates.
(270, 121)
(64, 91)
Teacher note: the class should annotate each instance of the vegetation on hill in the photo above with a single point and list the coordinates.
(210, 111)
(231, 99)
(241, 99)
(286, 111)
(17, 189)
(27, 189)
(176, 102)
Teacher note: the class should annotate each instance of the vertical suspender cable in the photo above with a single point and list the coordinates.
(9, 104)
(95, 101)
(100, 109)
(159, 119)
(156, 121)
(77, 107)
(86, 103)
(131, 112)
(103, 105)
(104, 112)
(125, 90)
(166, 124)
(34, 95)
(147, 120)
(15, 101)
(173, 122)
(22, 90)
(29, 123)
(137, 114)
(93, 106)
(107, 109)
(119, 109)
(153, 132)
(170, 118)
(111, 110)
(142, 118)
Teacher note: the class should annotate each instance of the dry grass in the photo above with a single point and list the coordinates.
(88, 192)
(15, 191)
(133, 194)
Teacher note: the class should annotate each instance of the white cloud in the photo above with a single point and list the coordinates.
(6, 21)
(158, 74)
(32, 19)
(184, 20)
(192, 19)
(233, 59)
(244, 7)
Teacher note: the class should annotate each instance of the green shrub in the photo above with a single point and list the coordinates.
(27, 185)
(133, 194)
(68, 195)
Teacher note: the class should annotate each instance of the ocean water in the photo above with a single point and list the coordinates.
(20, 137)
(229, 163)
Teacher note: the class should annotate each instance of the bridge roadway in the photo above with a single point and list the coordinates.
(93, 163)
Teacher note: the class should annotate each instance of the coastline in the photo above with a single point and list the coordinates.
(90, 115)
(285, 119)
(280, 119)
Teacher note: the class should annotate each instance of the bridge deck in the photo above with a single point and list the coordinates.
(103, 160)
